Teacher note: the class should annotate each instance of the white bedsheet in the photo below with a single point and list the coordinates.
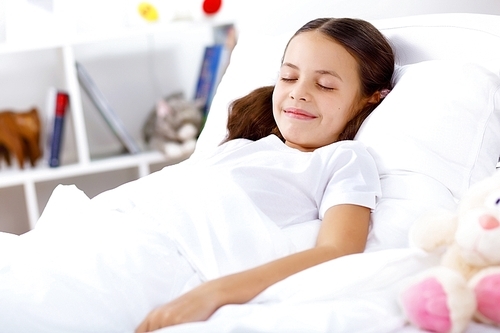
(351, 294)
(92, 273)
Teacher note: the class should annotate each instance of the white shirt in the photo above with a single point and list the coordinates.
(249, 202)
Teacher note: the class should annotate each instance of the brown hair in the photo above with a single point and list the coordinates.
(251, 116)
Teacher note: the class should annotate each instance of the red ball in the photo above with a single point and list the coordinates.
(211, 6)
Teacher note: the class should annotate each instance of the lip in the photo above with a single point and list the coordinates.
(299, 114)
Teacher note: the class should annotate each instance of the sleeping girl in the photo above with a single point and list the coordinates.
(288, 189)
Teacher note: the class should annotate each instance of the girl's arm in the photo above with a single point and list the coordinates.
(343, 231)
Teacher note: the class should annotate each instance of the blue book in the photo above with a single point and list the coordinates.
(62, 102)
(215, 60)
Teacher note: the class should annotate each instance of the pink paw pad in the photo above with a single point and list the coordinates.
(426, 306)
(488, 297)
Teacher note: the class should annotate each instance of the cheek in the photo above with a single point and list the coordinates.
(354, 108)
(277, 99)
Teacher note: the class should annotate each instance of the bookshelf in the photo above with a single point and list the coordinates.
(133, 66)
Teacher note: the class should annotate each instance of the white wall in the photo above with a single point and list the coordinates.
(133, 80)
(285, 15)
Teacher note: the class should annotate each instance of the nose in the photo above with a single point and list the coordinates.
(488, 222)
(299, 92)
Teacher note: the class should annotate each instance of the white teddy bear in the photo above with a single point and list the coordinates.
(466, 285)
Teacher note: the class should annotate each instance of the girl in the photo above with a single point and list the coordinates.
(287, 190)
(334, 72)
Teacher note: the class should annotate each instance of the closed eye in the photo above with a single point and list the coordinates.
(325, 88)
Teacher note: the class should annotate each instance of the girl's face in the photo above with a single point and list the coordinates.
(317, 93)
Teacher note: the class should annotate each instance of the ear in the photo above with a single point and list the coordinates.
(374, 99)
(162, 108)
(366, 101)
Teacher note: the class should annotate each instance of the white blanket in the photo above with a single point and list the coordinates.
(356, 293)
(89, 271)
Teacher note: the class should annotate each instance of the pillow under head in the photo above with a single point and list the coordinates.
(433, 136)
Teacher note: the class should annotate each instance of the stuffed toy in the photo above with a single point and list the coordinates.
(174, 125)
(20, 136)
(465, 285)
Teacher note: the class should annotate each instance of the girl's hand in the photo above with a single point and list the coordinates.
(197, 305)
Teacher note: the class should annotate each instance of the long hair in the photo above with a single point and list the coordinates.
(251, 116)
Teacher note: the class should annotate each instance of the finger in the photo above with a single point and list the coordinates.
(140, 329)
(143, 327)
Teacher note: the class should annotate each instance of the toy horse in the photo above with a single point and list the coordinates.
(20, 136)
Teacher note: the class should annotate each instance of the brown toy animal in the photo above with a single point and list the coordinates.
(20, 136)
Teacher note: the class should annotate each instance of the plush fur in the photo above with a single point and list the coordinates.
(174, 125)
(466, 285)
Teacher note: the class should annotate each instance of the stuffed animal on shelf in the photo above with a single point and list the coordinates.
(466, 284)
(20, 136)
(174, 125)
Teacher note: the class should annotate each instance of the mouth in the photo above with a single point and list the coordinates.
(299, 114)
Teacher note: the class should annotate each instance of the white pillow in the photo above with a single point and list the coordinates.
(442, 119)
(434, 135)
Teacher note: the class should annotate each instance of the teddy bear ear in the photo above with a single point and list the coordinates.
(163, 108)
(480, 192)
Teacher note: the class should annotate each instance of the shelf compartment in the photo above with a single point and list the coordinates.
(15, 221)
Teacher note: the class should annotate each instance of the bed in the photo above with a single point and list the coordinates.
(436, 133)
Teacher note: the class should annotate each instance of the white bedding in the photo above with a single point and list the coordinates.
(83, 270)
(105, 276)
(109, 274)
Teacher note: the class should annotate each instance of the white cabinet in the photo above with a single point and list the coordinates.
(133, 68)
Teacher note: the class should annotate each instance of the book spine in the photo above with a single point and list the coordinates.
(219, 71)
(208, 75)
(62, 101)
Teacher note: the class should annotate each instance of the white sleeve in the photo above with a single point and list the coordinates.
(354, 178)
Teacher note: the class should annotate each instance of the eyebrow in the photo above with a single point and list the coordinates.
(320, 71)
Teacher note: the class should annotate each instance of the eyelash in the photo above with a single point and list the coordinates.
(319, 85)
(325, 88)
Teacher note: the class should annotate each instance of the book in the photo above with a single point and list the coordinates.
(225, 34)
(213, 66)
(61, 104)
(107, 112)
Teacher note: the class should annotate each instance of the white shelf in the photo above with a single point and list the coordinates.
(15, 177)
(30, 68)
(28, 178)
